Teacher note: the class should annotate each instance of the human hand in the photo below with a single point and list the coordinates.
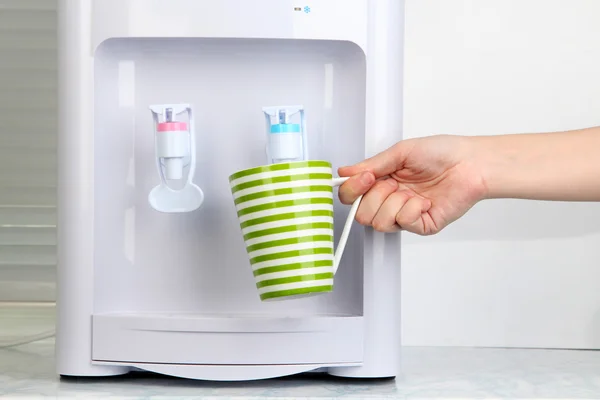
(418, 185)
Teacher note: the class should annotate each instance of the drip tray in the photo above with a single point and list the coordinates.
(245, 339)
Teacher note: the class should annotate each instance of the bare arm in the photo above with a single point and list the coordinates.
(563, 166)
(422, 185)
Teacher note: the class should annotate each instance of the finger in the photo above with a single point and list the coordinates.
(356, 186)
(381, 164)
(385, 220)
(410, 218)
(373, 200)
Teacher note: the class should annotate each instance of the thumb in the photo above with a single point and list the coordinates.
(382, 164)
(356, 186)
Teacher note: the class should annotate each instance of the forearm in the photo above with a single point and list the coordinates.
(562, 166)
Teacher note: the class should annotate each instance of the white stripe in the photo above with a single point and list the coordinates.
(285, 210)
(296, 272)
(286, 222)
(285, 172)
(293, 260)
(284, 197)
(295, 285)
(283, 185)
(289, 235)
(291, 247)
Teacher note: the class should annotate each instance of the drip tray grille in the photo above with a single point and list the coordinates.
(244, 339)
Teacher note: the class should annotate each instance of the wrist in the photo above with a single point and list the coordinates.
(499, 159)
(489, 158)
(474, 158)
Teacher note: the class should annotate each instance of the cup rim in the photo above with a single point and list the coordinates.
(278, 167)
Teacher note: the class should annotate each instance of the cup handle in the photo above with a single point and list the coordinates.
(347, 226)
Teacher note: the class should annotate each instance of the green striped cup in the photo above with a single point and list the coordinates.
(286, 215)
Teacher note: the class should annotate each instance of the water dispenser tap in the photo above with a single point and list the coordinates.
(286, 141)
(172, 145)
(175, 149)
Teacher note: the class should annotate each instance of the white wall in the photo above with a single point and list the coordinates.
(510, 273)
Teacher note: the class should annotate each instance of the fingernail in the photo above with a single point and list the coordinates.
(367, 178)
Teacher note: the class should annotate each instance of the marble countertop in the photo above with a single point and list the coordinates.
(27, 371)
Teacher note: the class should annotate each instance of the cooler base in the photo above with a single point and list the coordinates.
(228, 373)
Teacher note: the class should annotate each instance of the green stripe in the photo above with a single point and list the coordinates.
(291, 267)
(285, 242)
(295, 292)
(289, 228)
(279, 179)
(279, 167)
(287, 203)
(292, 253)
(293, 279)
(279, 192)
(281, 217)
